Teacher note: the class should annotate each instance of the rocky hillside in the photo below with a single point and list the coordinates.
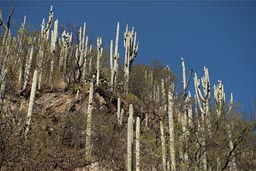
(67, 105)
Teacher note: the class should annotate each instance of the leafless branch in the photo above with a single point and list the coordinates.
(2, 23)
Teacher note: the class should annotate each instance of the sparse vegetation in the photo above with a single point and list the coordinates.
(76, 122)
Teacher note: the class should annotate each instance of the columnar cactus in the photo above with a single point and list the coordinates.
(54, 36)
(4, 52)
(187, 108)
(219, 96)
(31, 102)
(88, 146)
(2, 87)
(163, 145)
(171, 127)
(27, 69)
(204, 110)
(114, 60)
(137, 144)
(45, 30)
(206, 89)
(184, 80)
(21, 49)
(119, 111)
(157, 94)
(85, 58)
(163, 96)
(233, 166)
(131, 50)
(90, 60)
(66, 43)
(99, 54)
(129, 138)
(190, 111)
(82, 52)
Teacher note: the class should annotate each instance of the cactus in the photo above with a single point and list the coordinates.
(146, 120)
(28, 66)
(185, 80)
(233, 166)
(204, 110)
(2, 88)
(31, 102)
(206, 89)
(131, 50)
(190, 111)
(99, 55)
(54, 36)
(88, 147)
(137, 144)
(82, 52)
(171, 127)
(219, 96)
(85, 59)
(90, 60)
(114, 61)
(163, 145)
(118, 113)
(4, 53)
(163, 95)
(66, 43)
(45, 30)
(129, 138)
(21, 49)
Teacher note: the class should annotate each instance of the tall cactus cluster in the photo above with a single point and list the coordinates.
(131, 50)
(135, 105)
(130, 142)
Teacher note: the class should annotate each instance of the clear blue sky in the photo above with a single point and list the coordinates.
(219, 35)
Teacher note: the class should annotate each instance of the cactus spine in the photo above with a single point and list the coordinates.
(171, 127)
(31, 102)
(88, 147)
